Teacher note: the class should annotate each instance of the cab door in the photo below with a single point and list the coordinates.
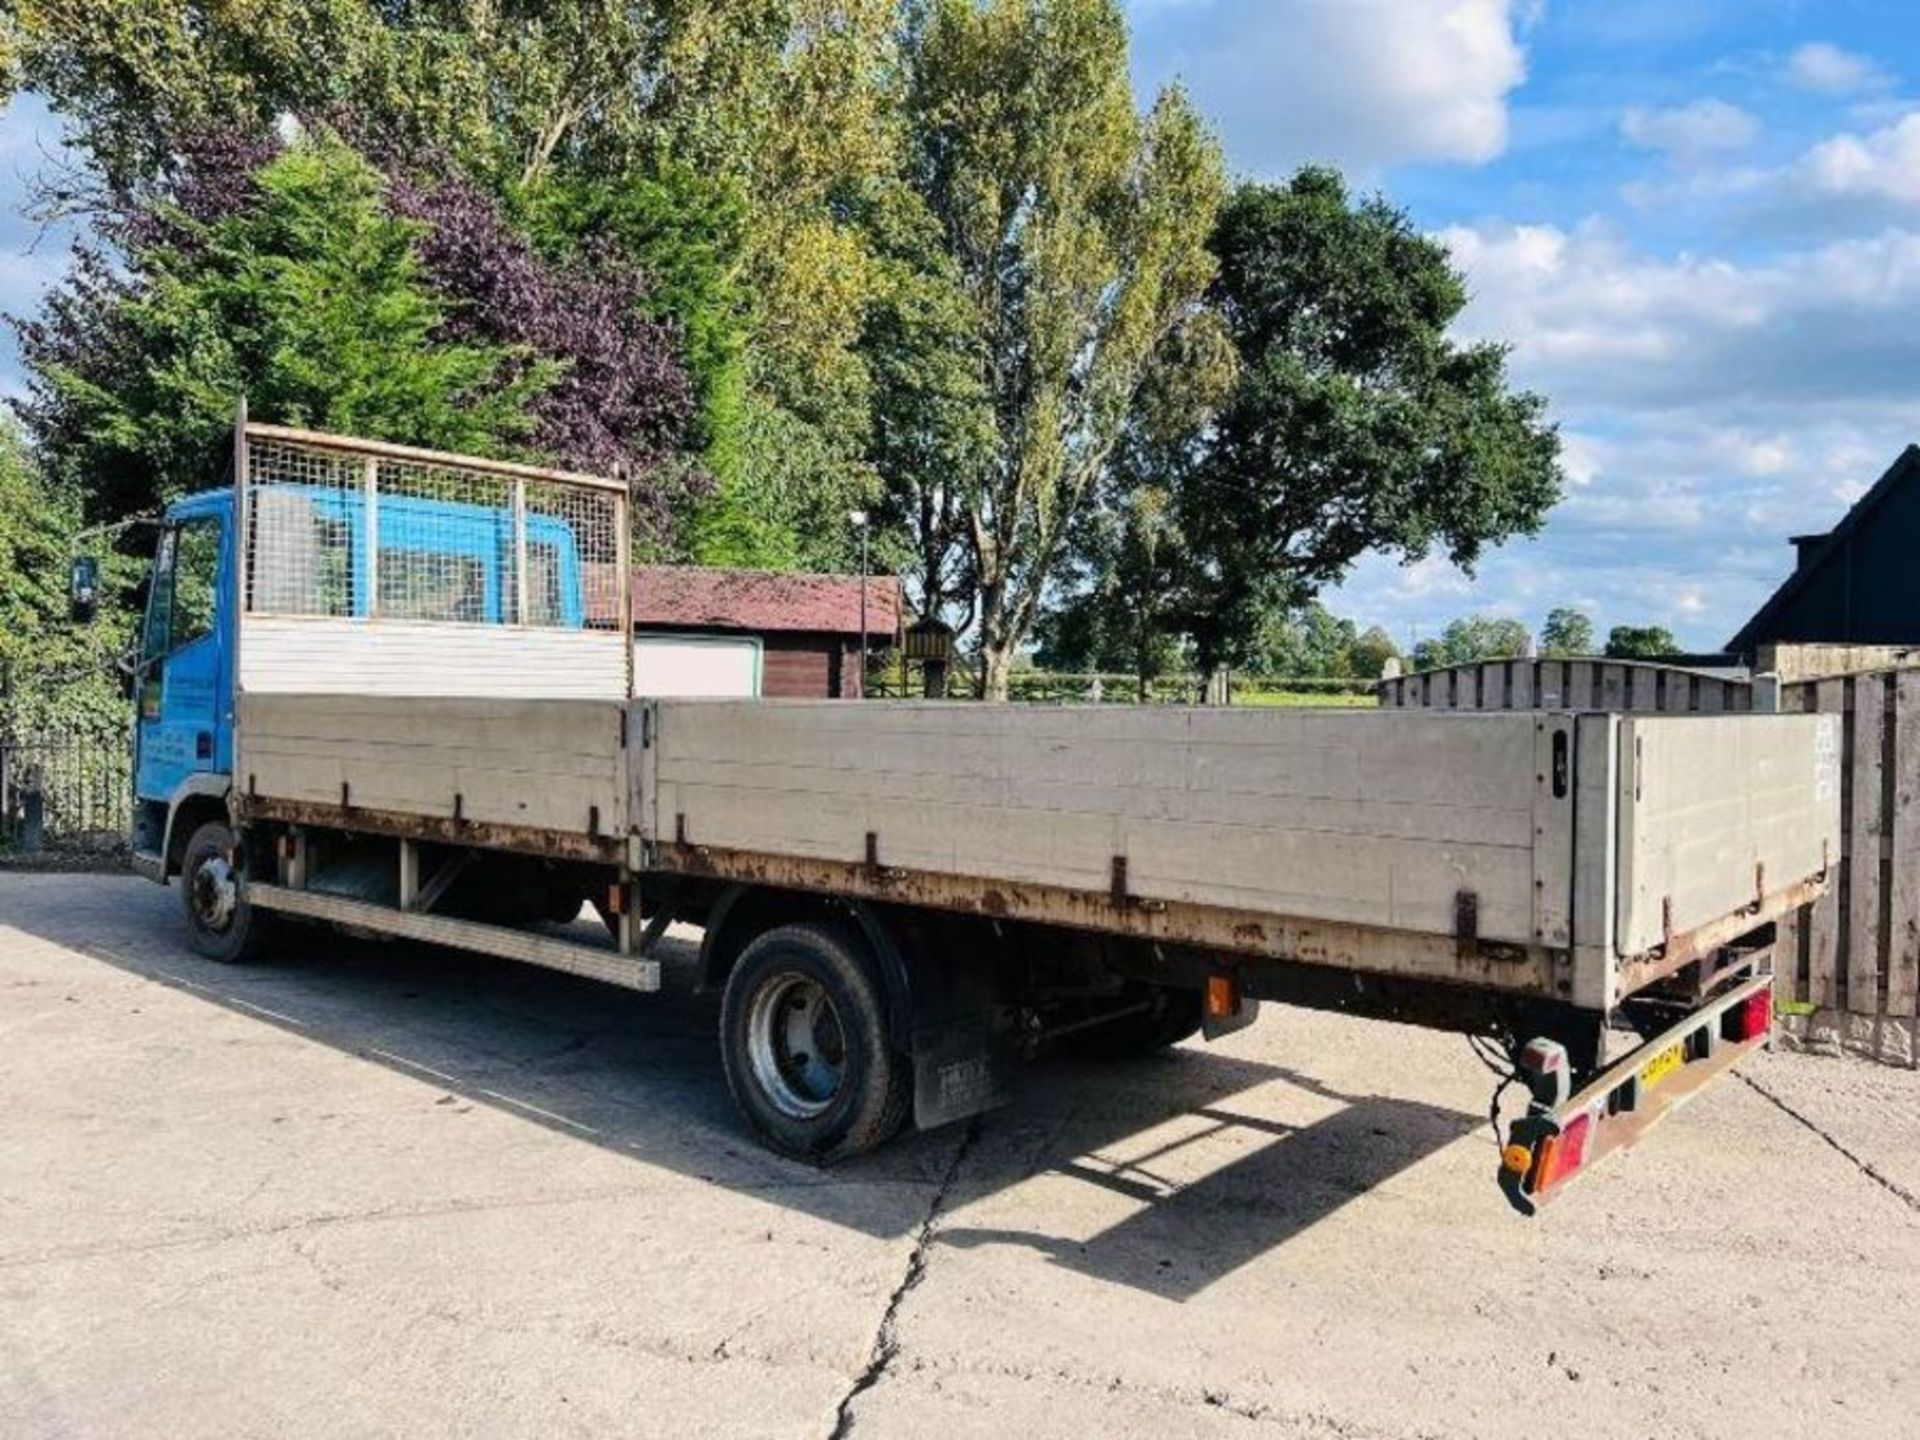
(186, 681)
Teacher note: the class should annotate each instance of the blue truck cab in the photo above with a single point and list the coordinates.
(438, 560)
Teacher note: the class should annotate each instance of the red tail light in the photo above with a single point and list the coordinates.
(1751, 1018)
(1565, 1152)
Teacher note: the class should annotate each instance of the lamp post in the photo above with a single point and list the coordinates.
(859, 520)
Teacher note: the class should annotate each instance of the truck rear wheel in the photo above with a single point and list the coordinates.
(803, 1036)
(213, 889)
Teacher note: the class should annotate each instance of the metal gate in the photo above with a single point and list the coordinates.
(67, 789)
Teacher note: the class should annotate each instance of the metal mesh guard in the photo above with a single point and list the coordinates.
(454, 543)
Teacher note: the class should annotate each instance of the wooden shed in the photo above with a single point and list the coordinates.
(1857, 584)
(806, 628)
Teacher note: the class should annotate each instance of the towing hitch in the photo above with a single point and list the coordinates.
(1563, 1136)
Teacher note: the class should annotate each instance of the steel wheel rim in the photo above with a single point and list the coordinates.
(216, 892)
(796, 1045)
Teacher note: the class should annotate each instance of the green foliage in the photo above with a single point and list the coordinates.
(1118, 619)
(926, 259)
(1567, 632)
(686, 232)
(930, 416)
(1357, 424)
(51, 672)
(311, 304)
(1641, 642)
(1371, 652)
(655, 123)
(788, 508)
(1475, 637)
(1076, 228)
(1308, 641)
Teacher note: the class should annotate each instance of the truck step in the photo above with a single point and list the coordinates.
(542, 950)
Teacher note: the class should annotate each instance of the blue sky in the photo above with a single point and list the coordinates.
(1696, 221)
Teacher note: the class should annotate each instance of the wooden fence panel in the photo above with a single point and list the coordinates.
(1493, 686)
(1903, 931)
(1825, 933)
(1579, 692)
(1862, 844)
(1526, 685)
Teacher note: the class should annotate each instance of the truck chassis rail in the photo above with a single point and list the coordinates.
(542, 950)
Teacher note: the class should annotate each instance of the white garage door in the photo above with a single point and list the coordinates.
(696, 665)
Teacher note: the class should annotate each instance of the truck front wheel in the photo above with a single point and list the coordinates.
(224, 926)
(803, 1036)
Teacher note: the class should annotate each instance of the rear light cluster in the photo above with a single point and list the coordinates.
(1750, 1019)
(1563, 1154)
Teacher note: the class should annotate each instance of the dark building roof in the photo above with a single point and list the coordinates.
(692, 597)
(1858, 584)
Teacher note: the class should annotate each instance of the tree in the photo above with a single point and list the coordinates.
(790, 102)
(1641, 642)
(1077, 229)
(1122, 568)
(306, 280)
(1372, 651)
(1309, 642)
(310, 300)
(50, 672)
(1567, 632)
(1474, 637)
(1357, 425)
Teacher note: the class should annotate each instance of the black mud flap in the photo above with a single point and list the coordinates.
(1244, 1013)
(959, 1069)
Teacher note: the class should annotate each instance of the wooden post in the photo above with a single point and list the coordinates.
(1824, 927)
(1903, 909)
(1863, 845)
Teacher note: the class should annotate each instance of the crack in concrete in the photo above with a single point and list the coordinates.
(1864, 1166)
(886, 1339)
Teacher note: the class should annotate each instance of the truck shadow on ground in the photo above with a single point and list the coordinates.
(1191, 1171)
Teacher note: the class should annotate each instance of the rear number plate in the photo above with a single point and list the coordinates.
(1661, 1066)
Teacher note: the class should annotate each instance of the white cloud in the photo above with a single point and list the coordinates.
(1710, 409)
(1883, 165)
(1598, 325)
(1828, 70)
(1361, 83)
(1691, 132)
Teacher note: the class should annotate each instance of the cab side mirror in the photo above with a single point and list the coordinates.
(83, 589)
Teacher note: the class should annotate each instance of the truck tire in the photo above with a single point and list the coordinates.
(803, 1036)
(224, 926)
(1173, 1016)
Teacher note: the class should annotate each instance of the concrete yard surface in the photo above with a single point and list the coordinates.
(385, 1190)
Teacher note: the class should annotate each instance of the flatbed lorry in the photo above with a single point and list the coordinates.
(394, 691)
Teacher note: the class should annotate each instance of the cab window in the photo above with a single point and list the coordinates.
(186, 579)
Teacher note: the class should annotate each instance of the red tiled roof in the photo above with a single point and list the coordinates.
(665, 596)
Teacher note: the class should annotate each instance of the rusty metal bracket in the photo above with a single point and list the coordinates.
(1466, 924)
(1117, 884)
(877, 872)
